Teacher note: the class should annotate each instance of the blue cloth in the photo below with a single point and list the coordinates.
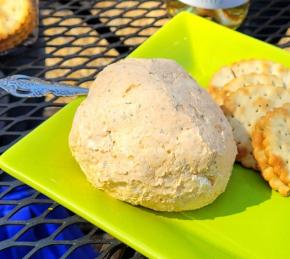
(39, 231)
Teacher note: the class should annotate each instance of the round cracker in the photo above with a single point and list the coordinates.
(226, 74)
(219, 80)
(263, 151)
(244, 107)
(251, 79)
(262, 67)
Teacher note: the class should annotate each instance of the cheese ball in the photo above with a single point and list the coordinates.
(147, 134)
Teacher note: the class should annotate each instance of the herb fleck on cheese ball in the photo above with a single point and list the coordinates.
(147, 134)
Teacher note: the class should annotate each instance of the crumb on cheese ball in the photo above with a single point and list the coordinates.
(147, 134)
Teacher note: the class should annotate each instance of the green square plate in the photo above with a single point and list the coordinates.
(247, 221)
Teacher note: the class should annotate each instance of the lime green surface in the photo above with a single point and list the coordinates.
(247, 221)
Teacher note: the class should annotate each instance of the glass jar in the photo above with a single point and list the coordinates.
(230, 13)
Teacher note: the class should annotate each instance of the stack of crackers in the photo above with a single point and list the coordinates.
(255, 97)
(17, 21)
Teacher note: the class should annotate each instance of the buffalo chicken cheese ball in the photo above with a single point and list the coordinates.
(147, 134)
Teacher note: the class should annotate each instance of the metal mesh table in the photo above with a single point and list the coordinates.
(77, 39)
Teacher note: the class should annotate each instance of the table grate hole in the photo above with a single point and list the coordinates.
(30, 211)
(52, 251)
(85, 251)
(4, 123)
(8, 139)
(9, 231)
(24, 125)
(15, 252)
(19, 193)
(5, 209)
(72, 232)
(42, 196)
(38, 232)
(3, 188)
(6, 177)
(19, 111)
(59, 213)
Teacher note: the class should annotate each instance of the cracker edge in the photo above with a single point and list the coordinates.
(229, 110)
(268, 172)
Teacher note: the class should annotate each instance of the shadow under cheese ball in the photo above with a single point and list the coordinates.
(147, 134)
